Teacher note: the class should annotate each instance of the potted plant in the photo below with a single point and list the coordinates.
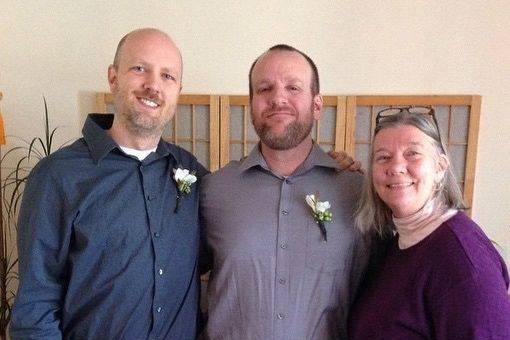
(15, 166)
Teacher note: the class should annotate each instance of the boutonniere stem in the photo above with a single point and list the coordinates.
(184, 179)
(320, 213)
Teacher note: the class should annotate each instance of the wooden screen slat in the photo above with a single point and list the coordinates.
(214, 131)
(469, 171)
(413, 100)
(224, 130)
(193, 143)
(450, 127)
(246, 121)
(350, 125)
(341, 109)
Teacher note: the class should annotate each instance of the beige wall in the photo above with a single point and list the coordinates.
(62, 48)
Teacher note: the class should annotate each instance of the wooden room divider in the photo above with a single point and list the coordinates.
(218, 129)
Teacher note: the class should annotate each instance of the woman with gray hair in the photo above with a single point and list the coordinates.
(438, 276)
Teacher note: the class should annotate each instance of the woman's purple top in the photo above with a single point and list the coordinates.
(451, 285)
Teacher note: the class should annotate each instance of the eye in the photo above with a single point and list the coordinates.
(168, 76)
(262, 89)
(381, 158)
(138, 68)
(412, 153)
(294, 88)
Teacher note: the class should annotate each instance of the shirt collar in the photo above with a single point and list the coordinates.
(317, 157)
(101, 144)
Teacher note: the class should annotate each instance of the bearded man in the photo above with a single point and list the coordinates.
(284, 266)
(103, 251)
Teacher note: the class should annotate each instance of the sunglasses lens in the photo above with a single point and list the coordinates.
(389, 112)
(420, 110)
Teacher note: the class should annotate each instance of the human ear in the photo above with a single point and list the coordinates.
(317, 106)
(112, 78)
(442, 165)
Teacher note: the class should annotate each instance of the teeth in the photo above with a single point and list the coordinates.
(149, 102)
(400, 185)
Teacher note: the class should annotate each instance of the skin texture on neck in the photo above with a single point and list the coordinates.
(285, 162)
(121, 136)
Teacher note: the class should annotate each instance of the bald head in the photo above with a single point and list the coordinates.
(139, 33)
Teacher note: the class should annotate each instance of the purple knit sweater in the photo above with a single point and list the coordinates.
(451, 285)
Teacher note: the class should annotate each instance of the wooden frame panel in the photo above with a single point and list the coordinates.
(227, 101)
(344, 125)
(103, 100)
(473, 102)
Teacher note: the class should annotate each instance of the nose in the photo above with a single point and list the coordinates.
(396, 166)
(279, 97)
(152, 83)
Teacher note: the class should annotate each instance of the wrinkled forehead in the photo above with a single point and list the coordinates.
(402, 135)
(287, 65)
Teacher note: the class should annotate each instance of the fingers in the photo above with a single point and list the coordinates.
(356, 166)
(345, 161)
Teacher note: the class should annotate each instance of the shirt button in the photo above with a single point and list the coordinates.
(288, 181)
(285, 212)
(160, 271)
(156, 235)
(281, 281)
(159, 309)
(280, 316)
(283, 245)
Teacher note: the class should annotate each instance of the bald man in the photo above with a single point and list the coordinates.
(108, 238)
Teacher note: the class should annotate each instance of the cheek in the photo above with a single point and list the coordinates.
(256, 108)
(426, 175)
(378, 177)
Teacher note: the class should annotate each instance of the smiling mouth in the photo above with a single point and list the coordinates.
(399, 185)
(149, 102)
(279, 113)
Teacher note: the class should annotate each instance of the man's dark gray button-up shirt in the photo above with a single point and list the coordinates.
(273, 276)
(103, 255)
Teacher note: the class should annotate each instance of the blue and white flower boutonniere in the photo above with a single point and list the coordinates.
(184, 179)
(320, 212)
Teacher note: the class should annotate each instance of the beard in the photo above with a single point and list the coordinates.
(139, 123)
(292, 136)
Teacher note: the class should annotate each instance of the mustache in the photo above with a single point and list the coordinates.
(278, 109)
(149, 94)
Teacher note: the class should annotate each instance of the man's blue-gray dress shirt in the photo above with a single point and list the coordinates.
(103, 254)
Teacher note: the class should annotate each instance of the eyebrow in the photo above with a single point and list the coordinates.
(164, 68)
(289, 80)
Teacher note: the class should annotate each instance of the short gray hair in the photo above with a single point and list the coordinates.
(372, 213)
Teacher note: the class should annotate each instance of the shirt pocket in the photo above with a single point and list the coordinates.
(331, 256)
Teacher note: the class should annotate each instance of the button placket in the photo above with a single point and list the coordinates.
(283, 255)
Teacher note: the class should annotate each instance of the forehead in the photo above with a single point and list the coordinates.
(281, 65)
(401, 135)
(151, 47)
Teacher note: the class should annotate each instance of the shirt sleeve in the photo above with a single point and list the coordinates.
(43, 242)
(476, 308)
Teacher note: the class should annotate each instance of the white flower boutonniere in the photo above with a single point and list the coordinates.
(184, 179)
(320, 212)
